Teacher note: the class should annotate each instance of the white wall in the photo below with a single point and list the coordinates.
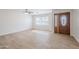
(14, 20)
(61, 10)
(75, 24)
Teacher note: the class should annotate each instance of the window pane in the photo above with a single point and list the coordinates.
(42, 20)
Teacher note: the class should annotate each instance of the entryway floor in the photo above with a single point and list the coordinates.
(36, 39)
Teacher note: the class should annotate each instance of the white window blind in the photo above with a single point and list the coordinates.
(42, 20)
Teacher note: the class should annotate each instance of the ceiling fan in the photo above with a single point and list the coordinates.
(27, 11)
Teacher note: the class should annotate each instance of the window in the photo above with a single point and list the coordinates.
(42, 20)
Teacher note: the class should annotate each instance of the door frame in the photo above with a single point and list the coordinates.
(59, 16)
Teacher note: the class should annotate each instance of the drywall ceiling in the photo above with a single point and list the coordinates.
(40, 11)
(23, 11)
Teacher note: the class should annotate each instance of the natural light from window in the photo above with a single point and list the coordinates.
(42, 20)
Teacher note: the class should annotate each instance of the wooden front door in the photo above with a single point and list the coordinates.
(62, 23)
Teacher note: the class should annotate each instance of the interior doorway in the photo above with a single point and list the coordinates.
(62, 23)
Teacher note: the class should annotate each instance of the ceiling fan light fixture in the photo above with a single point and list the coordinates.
(27, 11)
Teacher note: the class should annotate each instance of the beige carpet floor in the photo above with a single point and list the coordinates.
(35, 39)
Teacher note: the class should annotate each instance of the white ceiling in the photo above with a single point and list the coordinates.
(40, 11)
(36, 11)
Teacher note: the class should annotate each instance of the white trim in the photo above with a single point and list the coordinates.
(77, 39)
(14, 32)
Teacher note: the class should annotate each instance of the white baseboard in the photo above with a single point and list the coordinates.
(77, 39)
(13, 32)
